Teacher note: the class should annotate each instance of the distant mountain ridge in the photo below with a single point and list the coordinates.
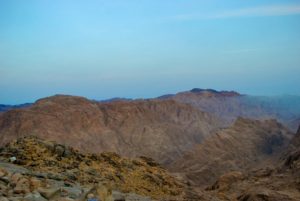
(225, 105)
(4, 108)
(215, 92)
(229, 105)
(205, 92)
(115, 100)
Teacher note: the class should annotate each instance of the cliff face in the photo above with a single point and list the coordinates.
(162, 129)
(244, 145)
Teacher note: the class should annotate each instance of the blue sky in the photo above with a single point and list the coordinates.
(146, 48)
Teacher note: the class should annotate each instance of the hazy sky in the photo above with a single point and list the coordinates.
(145, 48)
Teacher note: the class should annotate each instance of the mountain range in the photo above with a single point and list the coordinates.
(216, 142)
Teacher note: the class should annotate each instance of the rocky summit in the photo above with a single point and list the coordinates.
(34, 169)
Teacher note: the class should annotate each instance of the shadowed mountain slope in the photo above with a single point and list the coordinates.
(244, 145)
(280, 182)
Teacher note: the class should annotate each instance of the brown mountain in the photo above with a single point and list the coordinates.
(241, 147)
(162, 129)
(174, 131)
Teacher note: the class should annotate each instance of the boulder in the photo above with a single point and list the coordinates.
(226, 180)
(3, 172)
(263, 195)
(49, 192)
(3, 199)
(22, 186)
(35, 196)
(34, 183)
(73, 192)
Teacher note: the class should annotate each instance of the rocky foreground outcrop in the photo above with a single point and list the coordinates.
(34, 169)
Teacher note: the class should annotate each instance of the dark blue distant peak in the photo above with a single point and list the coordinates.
(215, 92)
(197, 90)
(4, 108)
